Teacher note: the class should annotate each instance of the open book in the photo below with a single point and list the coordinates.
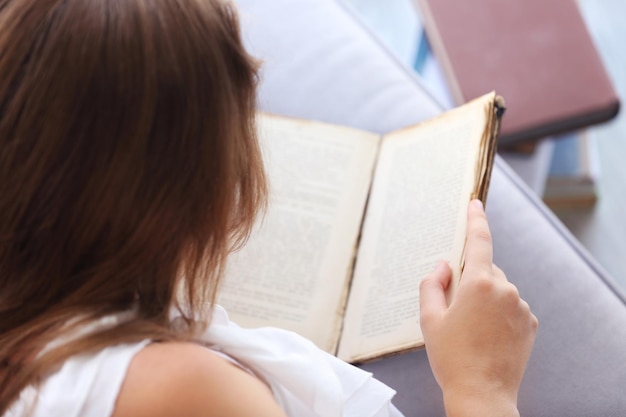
(343, 269)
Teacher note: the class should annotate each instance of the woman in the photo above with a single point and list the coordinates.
(129, 169)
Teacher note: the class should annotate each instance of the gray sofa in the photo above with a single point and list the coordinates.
(320, 63)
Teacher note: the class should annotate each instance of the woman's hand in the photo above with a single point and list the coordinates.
(478, 345)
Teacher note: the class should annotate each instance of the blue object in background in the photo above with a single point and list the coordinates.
(422, 53)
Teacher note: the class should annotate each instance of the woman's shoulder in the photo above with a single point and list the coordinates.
(173, 379)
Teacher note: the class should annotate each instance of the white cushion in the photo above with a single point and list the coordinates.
(305, 44)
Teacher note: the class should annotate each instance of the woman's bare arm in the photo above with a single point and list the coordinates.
(181, 379)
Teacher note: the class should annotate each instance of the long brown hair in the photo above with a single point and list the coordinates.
(129, 168)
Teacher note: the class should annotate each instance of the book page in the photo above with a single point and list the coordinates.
(416, 216)
(294, 271)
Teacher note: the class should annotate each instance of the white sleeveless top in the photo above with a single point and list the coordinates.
(305, 381)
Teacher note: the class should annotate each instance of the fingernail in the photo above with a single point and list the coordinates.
(478, 204)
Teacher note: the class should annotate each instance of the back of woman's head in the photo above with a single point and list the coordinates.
(128, 162)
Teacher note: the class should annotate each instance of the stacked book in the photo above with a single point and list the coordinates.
(574, 172)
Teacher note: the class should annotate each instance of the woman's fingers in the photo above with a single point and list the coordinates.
(433, 302)
(478, 249)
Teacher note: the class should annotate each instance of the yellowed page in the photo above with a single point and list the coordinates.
(295, 268)
(416, 216)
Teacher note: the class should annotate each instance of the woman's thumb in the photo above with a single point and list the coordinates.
(433, 293)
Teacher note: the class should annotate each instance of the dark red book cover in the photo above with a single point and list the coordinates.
(537, 54)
